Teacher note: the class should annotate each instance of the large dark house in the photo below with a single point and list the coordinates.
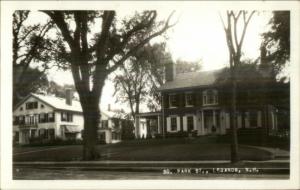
(198, 103)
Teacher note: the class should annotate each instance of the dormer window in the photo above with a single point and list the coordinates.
(210, 97)
(173, 100)
(189, 99)
(31, 105)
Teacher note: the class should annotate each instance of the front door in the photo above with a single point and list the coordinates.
(209, 121)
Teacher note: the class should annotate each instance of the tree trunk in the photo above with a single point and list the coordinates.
(91, 123)
(233, 120)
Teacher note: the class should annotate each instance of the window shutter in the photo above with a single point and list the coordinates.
(184, 123)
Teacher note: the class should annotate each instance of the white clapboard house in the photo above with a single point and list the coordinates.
(49, 117)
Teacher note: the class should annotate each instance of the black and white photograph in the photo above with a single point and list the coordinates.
(143, 92)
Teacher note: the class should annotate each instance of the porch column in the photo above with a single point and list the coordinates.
(202, 123)
(137, 127)
(21, 137)
(159, 131)
(214, 118)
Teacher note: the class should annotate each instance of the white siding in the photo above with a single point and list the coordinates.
(239, 121)
(247, 122)
(259, 118)
(184, 123)
(168, 124)
(227, 120)
(195, 122)
(178, 123)
(46, 109)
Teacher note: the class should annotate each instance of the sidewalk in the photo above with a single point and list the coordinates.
(277, 153)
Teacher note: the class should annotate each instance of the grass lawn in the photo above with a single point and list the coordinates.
(152, 150)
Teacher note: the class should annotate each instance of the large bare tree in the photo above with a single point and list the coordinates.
(137, 81)
(97, 43)
(235, 20)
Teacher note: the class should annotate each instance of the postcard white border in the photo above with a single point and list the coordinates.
(7, 8)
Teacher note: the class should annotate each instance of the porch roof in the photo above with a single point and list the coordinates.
(149, 114)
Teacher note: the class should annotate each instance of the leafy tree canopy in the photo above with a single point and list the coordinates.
(276, 41)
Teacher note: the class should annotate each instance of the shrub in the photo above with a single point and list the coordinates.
(39, 141)
(177, 134)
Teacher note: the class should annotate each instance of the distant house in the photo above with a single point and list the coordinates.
(198, 103)
(48, 117)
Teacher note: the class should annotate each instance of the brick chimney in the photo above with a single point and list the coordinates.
(170, 71)
(69, 96)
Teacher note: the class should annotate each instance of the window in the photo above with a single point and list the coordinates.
(189, 99)
(190, 123)
(32, 133)
(51, 117)
(43, 133)
(210, 97)
(42, 105)
(42, 118)
(51, 133)
(21, 120)
(31, 105)
(104, 123)
(30, 119)
(16, 120)
(21, 108)
(173, 100)
(173, 123)
(66, 116)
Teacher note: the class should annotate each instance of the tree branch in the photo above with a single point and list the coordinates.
(58, 18)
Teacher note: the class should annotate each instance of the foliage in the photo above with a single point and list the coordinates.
(32, 81)
(277, 40)
(31, 45)
(127, 132)
(40, 141)
(139, 78)
(183, 66)
(95, 44)
(58, 90)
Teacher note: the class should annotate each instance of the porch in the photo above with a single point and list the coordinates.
(148, 125)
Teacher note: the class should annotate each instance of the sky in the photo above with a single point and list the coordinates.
(198, 35)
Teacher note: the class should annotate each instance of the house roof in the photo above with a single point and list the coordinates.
(55, 102)
(60, 104)
(248, 73)
(191, 79)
